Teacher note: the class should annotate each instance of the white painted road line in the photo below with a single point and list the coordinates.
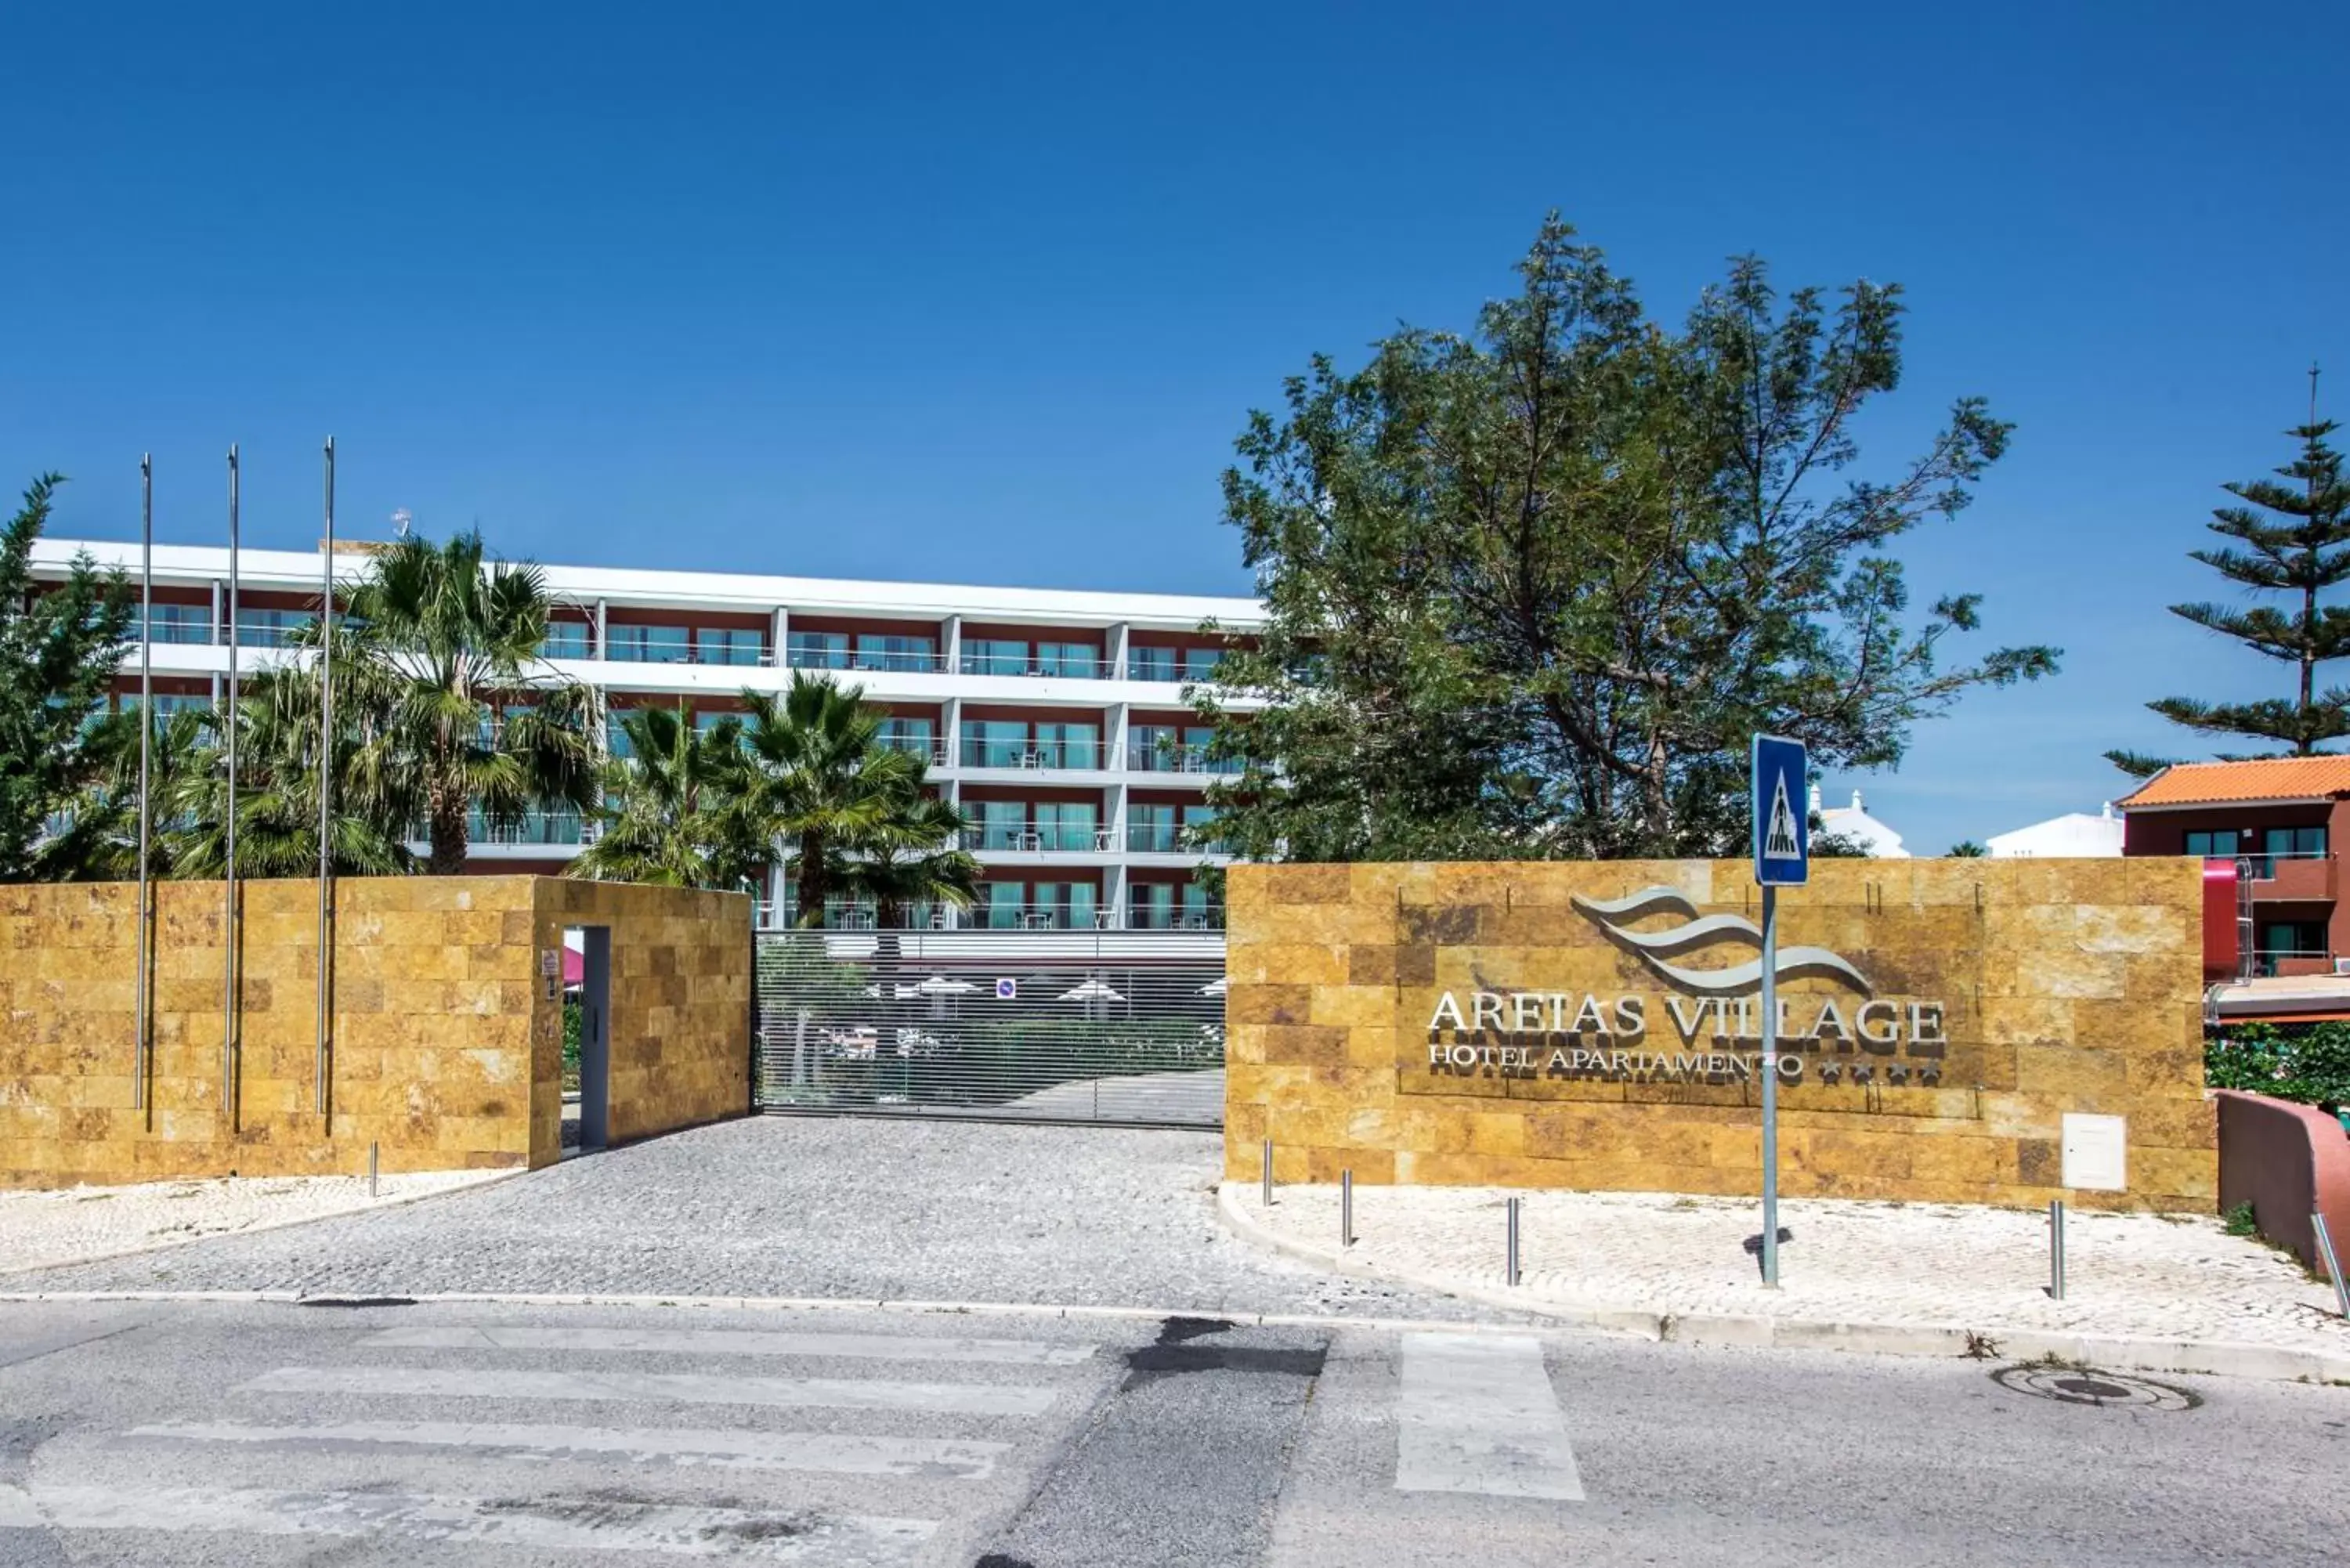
(1476, 1414)
(734, 1341)
(837, 1453)
(687, 1387)
(546, 1524)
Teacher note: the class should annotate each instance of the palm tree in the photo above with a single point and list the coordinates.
(476, 719)
(915, 858)
(675, 810)
(277, 748)
(825, 784)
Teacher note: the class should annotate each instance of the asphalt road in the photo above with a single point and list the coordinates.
(213, 1433)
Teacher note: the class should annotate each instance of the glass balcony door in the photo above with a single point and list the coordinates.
(1066, 824)
(1150, 828)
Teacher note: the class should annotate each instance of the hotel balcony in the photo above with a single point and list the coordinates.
(2280, 879)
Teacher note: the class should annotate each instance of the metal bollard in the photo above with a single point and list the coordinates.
(1267, 1168)
(2056, 1249)
(371, 1169)
(1513, 1241)
(2333, 1263)
(1346, 1208)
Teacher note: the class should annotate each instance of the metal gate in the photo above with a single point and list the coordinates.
(1030, 1025)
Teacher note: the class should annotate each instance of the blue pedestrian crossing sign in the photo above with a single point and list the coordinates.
(1782, 832)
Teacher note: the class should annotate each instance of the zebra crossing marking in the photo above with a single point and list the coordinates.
(733, 1342)
(1476, 1413)
(546, 1523)
(686, 1387)
(841, 1453)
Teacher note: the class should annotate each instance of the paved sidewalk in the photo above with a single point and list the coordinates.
(1945, 1268)
(76, 1224)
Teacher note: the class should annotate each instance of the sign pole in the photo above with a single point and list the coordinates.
(1779, 774)
(1770, 1030)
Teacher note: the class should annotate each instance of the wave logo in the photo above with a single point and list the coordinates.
(1614, 915)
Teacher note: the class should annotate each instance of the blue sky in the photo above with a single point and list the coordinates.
(984, 293)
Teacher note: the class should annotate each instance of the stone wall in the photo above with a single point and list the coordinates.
(446, 1025)
(1946, 1018)
(680, 1025)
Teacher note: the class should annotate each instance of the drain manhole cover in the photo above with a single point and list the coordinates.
(2074, 1386)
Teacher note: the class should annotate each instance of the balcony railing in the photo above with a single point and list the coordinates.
(906, 662)
(923, 747)
(1168, 838)
(1181, 759)
(1039, 839)
(1175, 917)
(1072, 669)
(550, 828)
(1038, 918)
(1031, 754)
(772, 916)
(637, 652)
(2270, 961)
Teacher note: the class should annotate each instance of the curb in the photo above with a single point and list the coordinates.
(775, 1304)
(2210, 1358)
(374, 1206)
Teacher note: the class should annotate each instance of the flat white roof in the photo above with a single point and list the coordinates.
(289, 570)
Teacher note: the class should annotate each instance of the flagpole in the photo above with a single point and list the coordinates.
(228, 826)
(146, 730)
(325, 774)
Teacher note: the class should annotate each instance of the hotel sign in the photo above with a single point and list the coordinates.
(1702, 1025)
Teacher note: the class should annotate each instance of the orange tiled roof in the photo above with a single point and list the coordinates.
(2267, 778)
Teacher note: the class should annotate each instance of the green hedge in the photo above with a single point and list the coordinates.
(2304, 1061)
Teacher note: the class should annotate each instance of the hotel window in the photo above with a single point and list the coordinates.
(877, 651)
(1068, 745)
(913, 736)
(1150, 906)
(1003, 824)
(1066, 824)
(1150, 828)
(615, 737)
(564, 639)
(1150, 664)
(708, 718)
(817, 650)
(1081, 660)
(1200, 663)
(2215, 846)
(994, 744)
(650, 644)
(271, 628)
(992, 656)
(180, 623)
(1066, 905)
(2294, 843)
(713, 645)
(1003, 904)
(1197, 821)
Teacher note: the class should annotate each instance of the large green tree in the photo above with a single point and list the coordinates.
(2289, 537)
(476, 720)
(1531, 590)
(60, 648)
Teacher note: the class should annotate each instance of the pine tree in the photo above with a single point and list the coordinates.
(2294, 536)
(60, 649)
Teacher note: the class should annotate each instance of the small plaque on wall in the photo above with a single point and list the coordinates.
(2095, 1160)
(550, 961)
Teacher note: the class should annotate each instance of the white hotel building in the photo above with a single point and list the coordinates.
(1054, 720)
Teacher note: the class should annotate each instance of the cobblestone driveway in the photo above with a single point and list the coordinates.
(794, 1206)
